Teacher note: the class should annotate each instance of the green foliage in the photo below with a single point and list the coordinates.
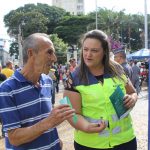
(121, 27)
(53, 14)
(60, 48)
(14, 49)
(50, 19)
(33, 18)
(34, 24)
(72, 27)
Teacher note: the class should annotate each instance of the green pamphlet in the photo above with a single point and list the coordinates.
(117, 102)
(66, 100)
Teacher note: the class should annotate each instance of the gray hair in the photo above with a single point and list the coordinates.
(32, 41)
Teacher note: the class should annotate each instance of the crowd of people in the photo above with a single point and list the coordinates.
(27, 106)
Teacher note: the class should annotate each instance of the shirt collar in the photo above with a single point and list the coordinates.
(18, 76)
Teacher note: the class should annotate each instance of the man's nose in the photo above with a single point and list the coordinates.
(55, 58)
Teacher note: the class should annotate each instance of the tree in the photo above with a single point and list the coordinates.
(60, 48)
(14, 49)
(36, 18)
(72, 27)
(121, 27)
(35, 22)
(53, 14)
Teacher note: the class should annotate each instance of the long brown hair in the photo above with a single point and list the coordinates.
(110, 66)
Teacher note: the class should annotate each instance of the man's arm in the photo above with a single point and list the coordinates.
(24, 135)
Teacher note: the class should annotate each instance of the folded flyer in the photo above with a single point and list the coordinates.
(117, 99)
(66, 100)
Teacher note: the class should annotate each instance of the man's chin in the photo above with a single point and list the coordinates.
(46, 72)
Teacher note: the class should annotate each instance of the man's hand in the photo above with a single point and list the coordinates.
(59, 114)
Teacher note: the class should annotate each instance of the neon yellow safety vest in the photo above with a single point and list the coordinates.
(95, 105)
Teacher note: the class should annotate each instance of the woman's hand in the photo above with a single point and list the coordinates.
(96, 127)
(129, 101)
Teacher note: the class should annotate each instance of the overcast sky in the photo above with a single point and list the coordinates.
(131, 6)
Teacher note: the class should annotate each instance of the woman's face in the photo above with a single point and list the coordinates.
(93, 52)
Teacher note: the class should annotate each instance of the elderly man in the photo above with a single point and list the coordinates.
(136, 76)
(25, 106)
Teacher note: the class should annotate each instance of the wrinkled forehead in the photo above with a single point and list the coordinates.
(47, 40)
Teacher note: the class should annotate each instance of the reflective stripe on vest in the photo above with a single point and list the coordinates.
(116, 130)
(114, 118)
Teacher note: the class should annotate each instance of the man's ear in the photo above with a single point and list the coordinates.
(30, 52)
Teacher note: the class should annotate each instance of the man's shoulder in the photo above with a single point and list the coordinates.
(9, 84)
(126, 66)
(75, 72)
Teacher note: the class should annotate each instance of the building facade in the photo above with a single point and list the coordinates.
(75, 7)
(4, 51)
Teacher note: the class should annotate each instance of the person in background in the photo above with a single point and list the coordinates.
(2, 78)
(53, 77)
(8, 70)
(73, 64)
(89, 88)
(64, 76)
(16, 67)
(25, 107)
(120, 57)
(136, 77)
(131, 63)
(57, 75)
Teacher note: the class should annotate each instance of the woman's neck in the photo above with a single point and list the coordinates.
(96, 71)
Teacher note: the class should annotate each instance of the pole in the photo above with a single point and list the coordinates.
(68, 56)
(20, 47)
(149, 103)
(146, 46)
(75, 54)
(96, 13)
(146, 25)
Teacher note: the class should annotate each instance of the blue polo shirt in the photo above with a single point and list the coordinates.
(23, 105)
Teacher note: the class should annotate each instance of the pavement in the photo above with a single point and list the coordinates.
(139, 115)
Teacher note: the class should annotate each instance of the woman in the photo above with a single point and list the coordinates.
(89, 89)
